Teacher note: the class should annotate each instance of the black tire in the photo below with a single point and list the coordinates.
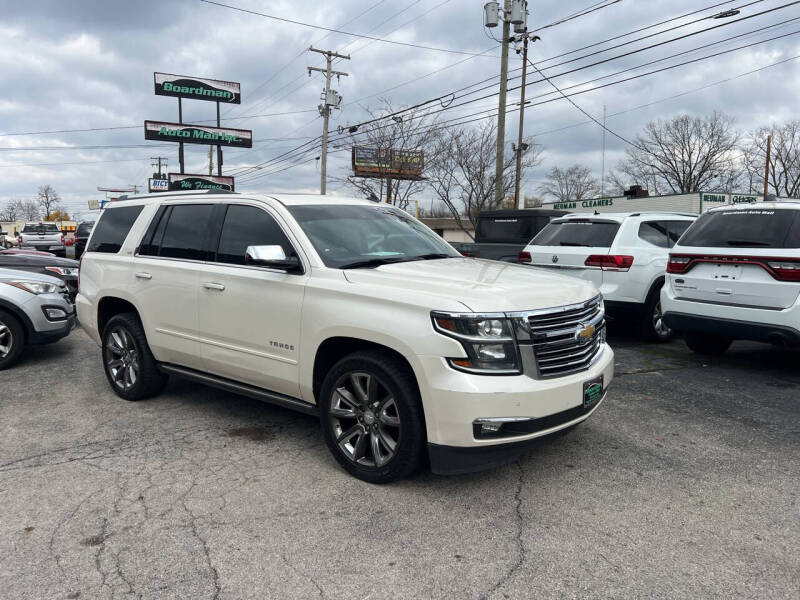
(124, 342)
(398, 399)
(652, 327)
(704, 343)
(12, 338)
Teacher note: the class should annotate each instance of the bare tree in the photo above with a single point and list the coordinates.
(461, 171)
(784, 167)
(412, 130)
(685, 154)
(532, 201)
(48, 200)
(25, 210)
(573, 183)
(10, 211)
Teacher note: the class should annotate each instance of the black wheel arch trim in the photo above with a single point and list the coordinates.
(27, 324)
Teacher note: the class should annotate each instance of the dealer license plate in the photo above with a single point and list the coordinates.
(592, 392)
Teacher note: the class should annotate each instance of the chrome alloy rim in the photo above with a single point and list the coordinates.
(364, 419)
(121, 358)
(660, 327)
(6, 340)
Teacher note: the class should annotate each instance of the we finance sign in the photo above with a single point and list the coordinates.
(197, 134)
(197, 88)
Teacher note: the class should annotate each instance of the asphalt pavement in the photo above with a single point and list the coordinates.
(684, 484)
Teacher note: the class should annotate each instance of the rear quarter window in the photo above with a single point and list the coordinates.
(112, 229)
(750, 228)
(578, 232)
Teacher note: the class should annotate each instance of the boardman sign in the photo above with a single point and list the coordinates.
(197, 134)
(197, 88)
(185, 181)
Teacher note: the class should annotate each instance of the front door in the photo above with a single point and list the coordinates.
(249, 317)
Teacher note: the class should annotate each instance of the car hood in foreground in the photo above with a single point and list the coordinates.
(11, 274)
(482, 285)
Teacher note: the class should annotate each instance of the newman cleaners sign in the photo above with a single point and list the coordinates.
(197, 134)
(197, 88)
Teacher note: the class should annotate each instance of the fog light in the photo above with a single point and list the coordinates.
(55, 314)
(490, 428)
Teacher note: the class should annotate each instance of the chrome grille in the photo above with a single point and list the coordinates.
(557, 348)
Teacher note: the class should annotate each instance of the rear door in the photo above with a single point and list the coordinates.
(566, 244)
(740, 257)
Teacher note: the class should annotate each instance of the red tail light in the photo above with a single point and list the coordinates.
(610, 262)
(19, 239)
(524, 258)
(782, 269)
(469, 254)
(62, 239)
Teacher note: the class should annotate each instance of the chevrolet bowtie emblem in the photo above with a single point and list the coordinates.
(584, 333)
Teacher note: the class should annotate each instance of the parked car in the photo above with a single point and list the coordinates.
(502, 234)
(349, 310)
(82, 233)
(623, 254)
(10, 251)
(45, 237)
(735, 275)
(64, 268)
(34, 309)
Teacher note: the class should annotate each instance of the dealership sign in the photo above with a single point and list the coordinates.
(384, 162)
(157, 185)
(197, 134)
(185, 182)
(197, 88)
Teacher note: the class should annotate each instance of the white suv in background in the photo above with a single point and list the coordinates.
(349, 310)
(623, 254)
(736, 276)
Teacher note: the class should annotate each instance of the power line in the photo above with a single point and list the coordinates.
(83, 162)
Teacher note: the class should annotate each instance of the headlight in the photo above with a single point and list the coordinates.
(488, 341)
(35, 287)
(62, 270)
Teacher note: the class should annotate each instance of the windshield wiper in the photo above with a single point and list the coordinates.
(747, 243)
(574, 244)
(376, 262)
(432, 256)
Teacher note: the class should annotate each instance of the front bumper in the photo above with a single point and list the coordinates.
(53, 335)
(453, 401)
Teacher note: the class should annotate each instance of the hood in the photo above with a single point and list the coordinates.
(482, 285)
(9, 274)
(27, 260)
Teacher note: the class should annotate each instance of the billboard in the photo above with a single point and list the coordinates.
(187, 181)
(197, 134)
(197, 88)
(157, 185)
(383, 162)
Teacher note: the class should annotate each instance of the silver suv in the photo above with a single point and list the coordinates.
(34, 309)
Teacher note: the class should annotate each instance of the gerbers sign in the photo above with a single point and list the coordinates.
(197, 88)
(197, 134)
(181, 181)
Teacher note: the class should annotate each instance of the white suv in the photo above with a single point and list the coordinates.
(623, 254)
(349, 310)
(735, 275)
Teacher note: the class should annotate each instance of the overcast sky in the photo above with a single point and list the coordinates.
(81, 64)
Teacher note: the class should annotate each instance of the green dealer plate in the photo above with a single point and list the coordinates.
(592, 392)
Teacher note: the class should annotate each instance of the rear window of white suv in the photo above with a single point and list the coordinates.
(578, 232)
(752, 228)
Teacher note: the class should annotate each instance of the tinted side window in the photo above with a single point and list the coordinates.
(654, 232)
(113, 228)
(185, 231)
(248, 226)
(151, 242)
(675, 230)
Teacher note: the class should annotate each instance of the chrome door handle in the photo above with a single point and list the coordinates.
(213, 286)
(143, 275)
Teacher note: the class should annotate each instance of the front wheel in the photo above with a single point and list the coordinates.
(130, 367)
(372, 417)
(12, 339)
(703, 343)
(653, 327)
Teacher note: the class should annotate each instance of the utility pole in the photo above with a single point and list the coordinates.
(157, 160)
(501, 115)
(603, 167)
(520, 148)
(330, 99)
(211, 160)
(766, 167)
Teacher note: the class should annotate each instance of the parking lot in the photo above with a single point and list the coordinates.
(683, 484)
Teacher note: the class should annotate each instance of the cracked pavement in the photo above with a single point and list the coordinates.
(684, 484)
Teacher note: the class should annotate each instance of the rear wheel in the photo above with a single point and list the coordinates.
(372, 417)
(12, 339)
(130, 367)
(703, 343)
(653, 327)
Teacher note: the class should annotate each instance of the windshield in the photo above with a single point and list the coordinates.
(41, 228)
(751, 228)
(85, 228)
(346, 236)
(578, 232)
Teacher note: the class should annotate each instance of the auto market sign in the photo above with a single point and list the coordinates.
(197, 134)
(197, 88)
(186, 181)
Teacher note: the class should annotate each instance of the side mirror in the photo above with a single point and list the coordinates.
(272, 257)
